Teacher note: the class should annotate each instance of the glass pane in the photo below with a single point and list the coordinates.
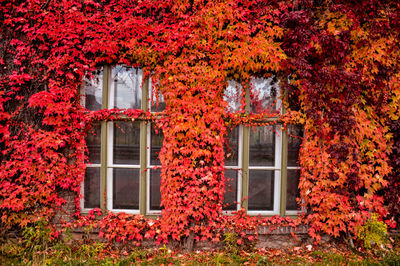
(231, 147)
(232, 95)
(157, 138)
(262, 146)
(126, 86)
(126, 149)
(157, 105)
(93, 142)
(263, 94)
(230, 195)
(292, 189)
(155, 194)
(295, 135)
(91, 188)
(93, 89)
(261, 190)
(126, 188)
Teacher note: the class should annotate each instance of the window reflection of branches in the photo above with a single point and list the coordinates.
(126, 87)
(264, 94)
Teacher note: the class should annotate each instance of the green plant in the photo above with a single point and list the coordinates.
(231, 242)
(264, 260)
(37, 238)
(11, 248)
(220, 258)
(373, 233)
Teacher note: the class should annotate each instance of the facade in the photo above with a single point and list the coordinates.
(123, 174)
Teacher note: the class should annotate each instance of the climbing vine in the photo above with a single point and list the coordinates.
(339, 69)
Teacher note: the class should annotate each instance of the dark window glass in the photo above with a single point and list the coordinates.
(230, 195)
(93, 88)
(292, 189)
(262, 146)
(295, 135)
(93, 142)
(126, 87)
(263, 94)
(126, 149)
(231, 147)
(155, 184)
(157, 139)
(261, 190)
(91, 189)
(126, 188)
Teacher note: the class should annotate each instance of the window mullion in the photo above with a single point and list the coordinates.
(283, 173)
(143, 165)
(143, 151)
(245, 159)
(104, 140)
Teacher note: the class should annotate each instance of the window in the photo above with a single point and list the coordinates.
(123, 173)
(267, 171)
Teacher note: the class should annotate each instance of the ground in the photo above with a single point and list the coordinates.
(18, 251)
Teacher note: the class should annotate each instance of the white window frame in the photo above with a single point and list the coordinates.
(239, 170)
(277, 168)
(148, 169)
(111, 166)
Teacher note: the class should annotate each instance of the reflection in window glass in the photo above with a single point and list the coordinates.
(157, 105)
(93, 90)
(262, 146)
(295, 135)
(126, 149)
(263, 94)
(292, 189)
(93, 142)
(261, 190)
(126, 188)
(232, 95)
(91, 190)
(155, 184)
(230, 195)
(231, 147)
(126, 88)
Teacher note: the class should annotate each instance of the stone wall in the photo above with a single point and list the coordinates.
(66, 211)
(267, 237)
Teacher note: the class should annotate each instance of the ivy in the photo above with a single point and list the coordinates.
(338, 64)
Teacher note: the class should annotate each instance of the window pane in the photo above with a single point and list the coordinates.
(292, 189)
(295, 134)
(93, 89)
(231, 147)
(126, 188)
(91, 188)
(155, 194)
(156, 144)
(93, 142)
(232, 95)
(126, 86)
(262, 146)
(230, 195)
(126, 149)
(263, 94)
(157, 106)
(261, 190)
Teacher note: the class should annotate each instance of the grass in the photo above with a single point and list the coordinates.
(37, 248)
(14, 253)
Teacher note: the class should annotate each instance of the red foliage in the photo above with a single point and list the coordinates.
(342, 59)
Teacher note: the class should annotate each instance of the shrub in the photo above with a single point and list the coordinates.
(373, 233)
